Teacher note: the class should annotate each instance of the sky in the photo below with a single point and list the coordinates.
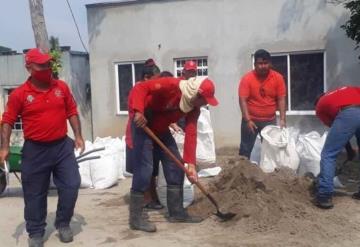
(16, 30)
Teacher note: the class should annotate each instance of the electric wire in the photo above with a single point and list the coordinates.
(77, 28)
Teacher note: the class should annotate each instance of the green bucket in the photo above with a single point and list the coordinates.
(15, 158)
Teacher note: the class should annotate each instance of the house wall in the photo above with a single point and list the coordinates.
(227, 32)
(76, 71)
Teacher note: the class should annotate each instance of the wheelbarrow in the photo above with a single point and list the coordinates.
(14, 164)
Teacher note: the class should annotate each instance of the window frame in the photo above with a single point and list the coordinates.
(119, 112)
(288, 89)
(191, 58)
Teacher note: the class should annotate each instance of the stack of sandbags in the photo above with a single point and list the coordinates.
(104, 172)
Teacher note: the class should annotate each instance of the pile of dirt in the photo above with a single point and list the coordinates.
(275, 202)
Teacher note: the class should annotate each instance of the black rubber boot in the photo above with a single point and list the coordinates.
(324, 202)
(356, 195)
(36, 242)
(177, 212)
(65, 234)
(137, 221)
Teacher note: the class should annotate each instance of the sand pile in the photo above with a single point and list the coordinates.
(276, 202)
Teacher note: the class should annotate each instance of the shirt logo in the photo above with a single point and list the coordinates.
(30, 98)
(58, 93)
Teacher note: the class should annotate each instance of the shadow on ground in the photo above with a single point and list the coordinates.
(77, 223)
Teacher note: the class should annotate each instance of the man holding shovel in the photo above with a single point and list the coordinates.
(157, 104)
(340, 110)
(44, 105)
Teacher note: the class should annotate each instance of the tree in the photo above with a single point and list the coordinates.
(55, 53)
(352, 26)
(38, 25)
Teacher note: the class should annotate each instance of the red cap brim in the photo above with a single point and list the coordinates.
(212, 101)
(44, 59)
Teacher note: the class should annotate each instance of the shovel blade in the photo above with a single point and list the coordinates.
(225, 216)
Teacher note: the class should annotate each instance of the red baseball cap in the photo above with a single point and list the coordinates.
(207, 90)
(150, 62)
(190, 65)
(36, 56)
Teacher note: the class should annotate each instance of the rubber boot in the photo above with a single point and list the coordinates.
(137, 221)
(177, 212)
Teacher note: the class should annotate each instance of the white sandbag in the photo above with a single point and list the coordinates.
(105, 171)
(122, 167)
(205, 150)
(309, 147)
(337, 183)
(117, 148)
(209, 172)
(278, 149)
(255, 156)
(161, 182)
(161, 189)
(84, 168)
(179, 138)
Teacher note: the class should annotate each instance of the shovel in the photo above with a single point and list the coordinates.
(180, 164)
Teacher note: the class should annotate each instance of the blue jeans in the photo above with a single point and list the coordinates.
(344, 127)
(143, 153)
(39, 160)
(248, 138)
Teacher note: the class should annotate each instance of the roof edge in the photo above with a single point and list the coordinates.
(124, 3)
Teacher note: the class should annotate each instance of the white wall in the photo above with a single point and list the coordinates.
(227, 32)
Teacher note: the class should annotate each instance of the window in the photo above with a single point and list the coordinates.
(304, 75)
(18, 126)
(127, 74)
(202, 65)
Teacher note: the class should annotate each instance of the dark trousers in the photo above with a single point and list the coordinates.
(248, 138)
(39, 160)
(130, 160)
(143, 152)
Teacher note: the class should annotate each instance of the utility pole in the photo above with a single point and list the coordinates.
(38, 25)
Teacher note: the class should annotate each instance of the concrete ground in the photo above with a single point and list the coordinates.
(100, 219)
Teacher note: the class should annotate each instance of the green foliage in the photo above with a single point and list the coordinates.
(352, 26)
(55, 53)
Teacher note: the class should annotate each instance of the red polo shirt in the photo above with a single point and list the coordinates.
(162, 97)
(331, 103)
(43, 113)
(262, 107)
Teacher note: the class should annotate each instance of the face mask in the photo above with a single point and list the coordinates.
(42, 75)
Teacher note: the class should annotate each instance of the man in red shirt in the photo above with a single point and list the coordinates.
(340, 110)
(44, 105)
(261, 92)
(158, 103)
(151, 199)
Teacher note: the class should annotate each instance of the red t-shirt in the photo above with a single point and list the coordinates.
(43, 113)
(262, 106)
(162, 97)
(331, 103)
